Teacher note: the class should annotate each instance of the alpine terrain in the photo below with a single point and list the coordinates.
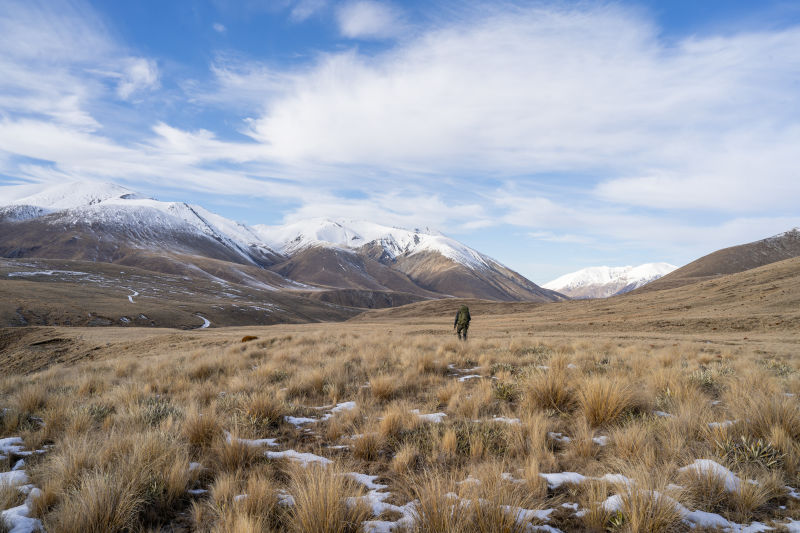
(318, 269)
(603, 281)
(734, 259)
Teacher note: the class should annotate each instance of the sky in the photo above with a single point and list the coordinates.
(551, 136)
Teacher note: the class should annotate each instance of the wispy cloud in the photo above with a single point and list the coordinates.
(369, 19)
(138, 74)
(219, 28)
(303, 9)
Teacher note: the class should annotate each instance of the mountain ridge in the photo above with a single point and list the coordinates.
(605, 281)
(109, 223)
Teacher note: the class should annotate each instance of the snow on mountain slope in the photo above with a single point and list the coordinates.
(603, 281)
(65, 195)
(353, 234)
(111, 204)
(106, 221)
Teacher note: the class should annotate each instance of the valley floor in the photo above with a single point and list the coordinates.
(381, 424)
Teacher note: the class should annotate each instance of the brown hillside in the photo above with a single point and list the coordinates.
(732, 260)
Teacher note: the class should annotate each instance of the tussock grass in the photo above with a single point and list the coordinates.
(550, 389)
(320, 506)
(604, 401)
(121, 432)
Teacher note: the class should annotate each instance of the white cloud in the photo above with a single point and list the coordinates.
(369, 19)
(304, 9)
(219, 28)
(589, 91)
(138, 74)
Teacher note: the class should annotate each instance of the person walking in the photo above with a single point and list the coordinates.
(461, 323)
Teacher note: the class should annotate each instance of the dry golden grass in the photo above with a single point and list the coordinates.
(319, 501)
(604, 400)
(122, 431)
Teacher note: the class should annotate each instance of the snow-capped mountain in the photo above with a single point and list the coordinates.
(604, 281)
(354, 234)
(108, 223)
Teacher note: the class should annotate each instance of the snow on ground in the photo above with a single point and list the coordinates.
(131, 296)
(206, 322)
(662, 414)
(556, 480)
(18, 519)
(304, 459)
(436, 418)
(793, 526)
(11, 445)
(251, 442)
(471, 376)
(366, 480)
(616, 479)
(504, 420)
(712, 468)
(13, 478)
(46, 273)
(298, 421)
(559, 437)
(602, 440)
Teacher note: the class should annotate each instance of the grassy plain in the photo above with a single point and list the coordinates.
(577, 416)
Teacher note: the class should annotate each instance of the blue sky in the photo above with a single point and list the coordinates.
(549, 135)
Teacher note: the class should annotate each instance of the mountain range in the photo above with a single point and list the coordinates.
(604, 281)
(340, 263)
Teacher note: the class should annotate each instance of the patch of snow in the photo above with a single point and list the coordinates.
(555, 480)
(46, 273)
(526, 515)
(793, 526)
(616, 479)
(546, 528)
(206, 322)
(304, 459)
(13, 445)
(366, 480)
(13, 478)
(195, 466)
(507, 476)
(558, 437)
(436, 418)
(285, 499)
(471, 376)
(602, 440)
(196, 492)
(662, 414)
(130, 296)
(251, 442)
(19, 519)
(298, 421)
(712, 468)
(344, 406)
(469, 481)
(505, 420)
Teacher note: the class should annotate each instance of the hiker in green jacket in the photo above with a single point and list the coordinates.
(461, 323)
